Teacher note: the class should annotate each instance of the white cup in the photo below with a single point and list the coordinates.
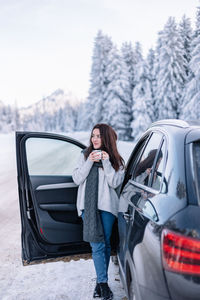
(98, 157)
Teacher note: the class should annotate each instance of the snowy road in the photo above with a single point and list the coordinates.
(74, 280)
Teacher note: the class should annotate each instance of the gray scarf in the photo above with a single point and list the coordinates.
(92, 225)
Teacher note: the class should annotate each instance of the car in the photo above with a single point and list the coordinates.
(157, 235)
(159, 222)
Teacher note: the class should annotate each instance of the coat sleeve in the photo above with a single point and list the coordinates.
(114, 178)
(82, 169)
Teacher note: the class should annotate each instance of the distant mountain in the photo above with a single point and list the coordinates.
(51, 104)
(58, 112)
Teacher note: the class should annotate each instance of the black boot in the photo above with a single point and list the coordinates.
(97, 291)
(106, 293)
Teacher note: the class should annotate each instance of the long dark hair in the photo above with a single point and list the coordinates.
(108, 144)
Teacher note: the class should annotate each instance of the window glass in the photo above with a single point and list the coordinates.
(196, 161)
(47, 156)
(148, 209)
(136, 158)
(143, 169)
(157, 176)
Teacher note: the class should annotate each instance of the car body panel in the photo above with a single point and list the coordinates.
(140, 253)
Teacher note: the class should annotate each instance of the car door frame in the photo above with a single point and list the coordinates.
(129, 271)
(23, 179)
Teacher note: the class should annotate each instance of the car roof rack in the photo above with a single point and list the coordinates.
(173, 122)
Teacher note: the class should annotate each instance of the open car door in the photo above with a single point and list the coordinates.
(47, 196)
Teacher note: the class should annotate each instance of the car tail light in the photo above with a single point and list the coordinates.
(180, 253)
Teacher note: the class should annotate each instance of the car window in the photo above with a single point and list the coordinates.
(196, 162)
(47, 156)
(143, 169)
(159, 168)
(134, 158)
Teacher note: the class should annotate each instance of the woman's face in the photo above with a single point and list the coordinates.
(96, 138)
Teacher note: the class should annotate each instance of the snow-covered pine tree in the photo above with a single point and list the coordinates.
(130, 60)
(70, 113)
(98, 80)
(138, 53)
(156, 71)
(171, 76)
(6, 118)
(139, 117)
(16, 117)
(82, 116)
(186, 34)
(191, 109)
(143, 95)
(1, 116)
(60, 120)
(117, 102)
(150, 101)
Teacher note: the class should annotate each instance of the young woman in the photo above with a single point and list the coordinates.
(98, 174)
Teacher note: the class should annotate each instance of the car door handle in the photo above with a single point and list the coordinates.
(127, 217)
(56, 186)
(58, 207)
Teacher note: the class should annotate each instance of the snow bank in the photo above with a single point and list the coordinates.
(74, 280)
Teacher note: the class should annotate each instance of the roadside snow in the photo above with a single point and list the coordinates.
(74, 280)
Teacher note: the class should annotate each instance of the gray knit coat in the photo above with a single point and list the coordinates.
(109, 180)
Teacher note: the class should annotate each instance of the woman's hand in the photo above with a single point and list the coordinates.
(94, 156)
(148, 171)
(104, 155)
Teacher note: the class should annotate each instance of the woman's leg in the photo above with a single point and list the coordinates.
(107, 221)
(100, 262)
(101, 251)
(99, 259)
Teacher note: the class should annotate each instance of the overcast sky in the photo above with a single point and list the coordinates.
(47, 44)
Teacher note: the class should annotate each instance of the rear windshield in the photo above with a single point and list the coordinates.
(196, 153)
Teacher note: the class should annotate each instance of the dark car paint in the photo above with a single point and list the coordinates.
(141, 260)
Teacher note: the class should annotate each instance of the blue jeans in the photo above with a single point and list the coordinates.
(101, 251)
